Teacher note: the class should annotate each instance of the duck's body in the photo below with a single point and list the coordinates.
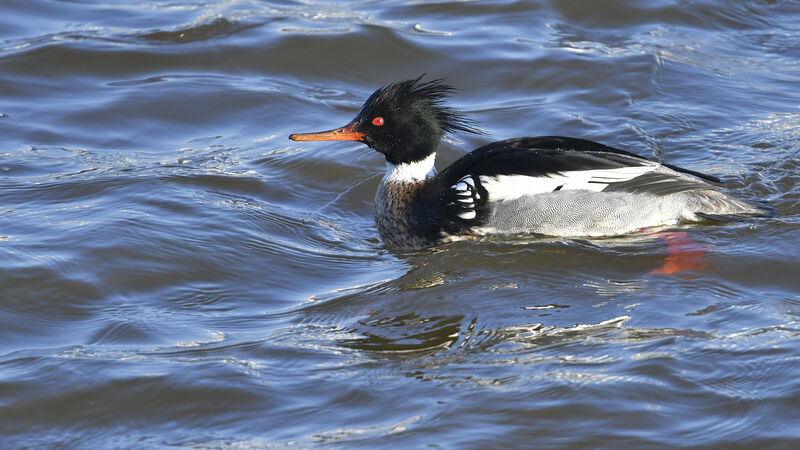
(542, 185)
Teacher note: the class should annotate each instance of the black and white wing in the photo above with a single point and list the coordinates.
(508, 170)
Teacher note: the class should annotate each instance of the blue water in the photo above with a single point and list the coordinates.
(174, 272)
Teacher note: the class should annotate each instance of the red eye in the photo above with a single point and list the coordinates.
(378, 121)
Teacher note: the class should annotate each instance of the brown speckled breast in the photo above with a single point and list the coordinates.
(393, 214)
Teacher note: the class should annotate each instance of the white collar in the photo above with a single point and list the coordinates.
(409, 173)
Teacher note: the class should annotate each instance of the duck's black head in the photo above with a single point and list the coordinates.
(405, 121)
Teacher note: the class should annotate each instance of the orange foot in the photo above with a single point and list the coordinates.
(683, 255)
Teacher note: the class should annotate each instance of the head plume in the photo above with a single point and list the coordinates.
(425, 97)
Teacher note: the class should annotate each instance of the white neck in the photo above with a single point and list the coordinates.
(409, 173)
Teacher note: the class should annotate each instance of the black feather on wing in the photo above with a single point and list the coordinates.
(539, 156)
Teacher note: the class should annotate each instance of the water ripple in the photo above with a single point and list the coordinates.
(175, 272)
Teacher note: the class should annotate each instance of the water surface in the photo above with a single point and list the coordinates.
(175, 272)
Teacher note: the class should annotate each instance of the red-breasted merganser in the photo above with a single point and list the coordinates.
(547, 185)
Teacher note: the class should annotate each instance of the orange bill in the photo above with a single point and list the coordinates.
(346, 133)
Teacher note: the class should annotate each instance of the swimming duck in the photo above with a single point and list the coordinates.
(545, 185)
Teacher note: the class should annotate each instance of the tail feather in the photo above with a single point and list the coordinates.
(726, 218)
(717, 206)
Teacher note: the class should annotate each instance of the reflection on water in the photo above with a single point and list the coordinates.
(408, 335)
(175, 272)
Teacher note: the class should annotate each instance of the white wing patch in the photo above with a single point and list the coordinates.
(466, 195)
(503, 188)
